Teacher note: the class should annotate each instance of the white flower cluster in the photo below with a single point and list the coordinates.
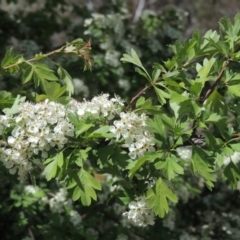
(185, 153)
(133, 130)
(122, 237)
(75, 218)
(169, 220)
(124, 84)
(58, 201)
(183, 193)
(139, 215)
(112, 21)
(112, 58)
(31, 189)
(99, 106)
(235, 158)
(80, 87)
(36, 129)
(4, 123)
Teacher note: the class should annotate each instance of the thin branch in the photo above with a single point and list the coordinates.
(83, 52)
(136, 97)
(139, 10)
(206, 96)
(31, 60)
(212, 88)
(31, 234)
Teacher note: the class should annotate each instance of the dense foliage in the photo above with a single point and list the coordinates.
(106, 168)
(112, 32)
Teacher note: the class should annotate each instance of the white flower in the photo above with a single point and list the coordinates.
(139, 214)
(87, 22)
(136, 150)
(185, 153)
(60, 200)
(124, 84)
(80, 87)
(122, 237)
(75, 217)
(69, 48)
(235, 158)
(36, 128)
(31, 189)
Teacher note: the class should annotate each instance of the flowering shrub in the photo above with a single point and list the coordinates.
(147, 148)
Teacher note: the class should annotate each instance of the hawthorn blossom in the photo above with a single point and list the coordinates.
(139, 214)
(132, 130)
(36, 129)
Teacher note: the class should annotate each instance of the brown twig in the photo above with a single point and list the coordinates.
(206, 96)
(212, 88)
(136, 97)
(30, 60)
(81, 52)
(31, 233)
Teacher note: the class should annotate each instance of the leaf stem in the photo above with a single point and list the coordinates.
(136, 97)
(212, 88)
(31, 60)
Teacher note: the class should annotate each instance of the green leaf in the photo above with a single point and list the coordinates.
(102, 132)
(103, 154)
(170, 74)
(175, 97)
(155, 74)
(227, 151)
(221, 46)
(39, 56)
(50, 170)
(74, 119)
(196, 89)
(199, 165)
(132, 59)
(59, 159)
(204, 71)
(27, 75)
(14, 108)
(135, 57)
(214, 117)
(53, 90)
(156, 126)
(232, 173)
(235, 90)
(170, 167)
(6, 99)
(81, 156)
(140, 102)
(217, 103)
(158, 198)
(162, 95)
(235, 147)
(231, 30)
(7, 60)
(83, 127)
(86, 184)
(141, 72)
(77, 194)
(170, 122)
(64, 75)
(136, 165)
(41, 73)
